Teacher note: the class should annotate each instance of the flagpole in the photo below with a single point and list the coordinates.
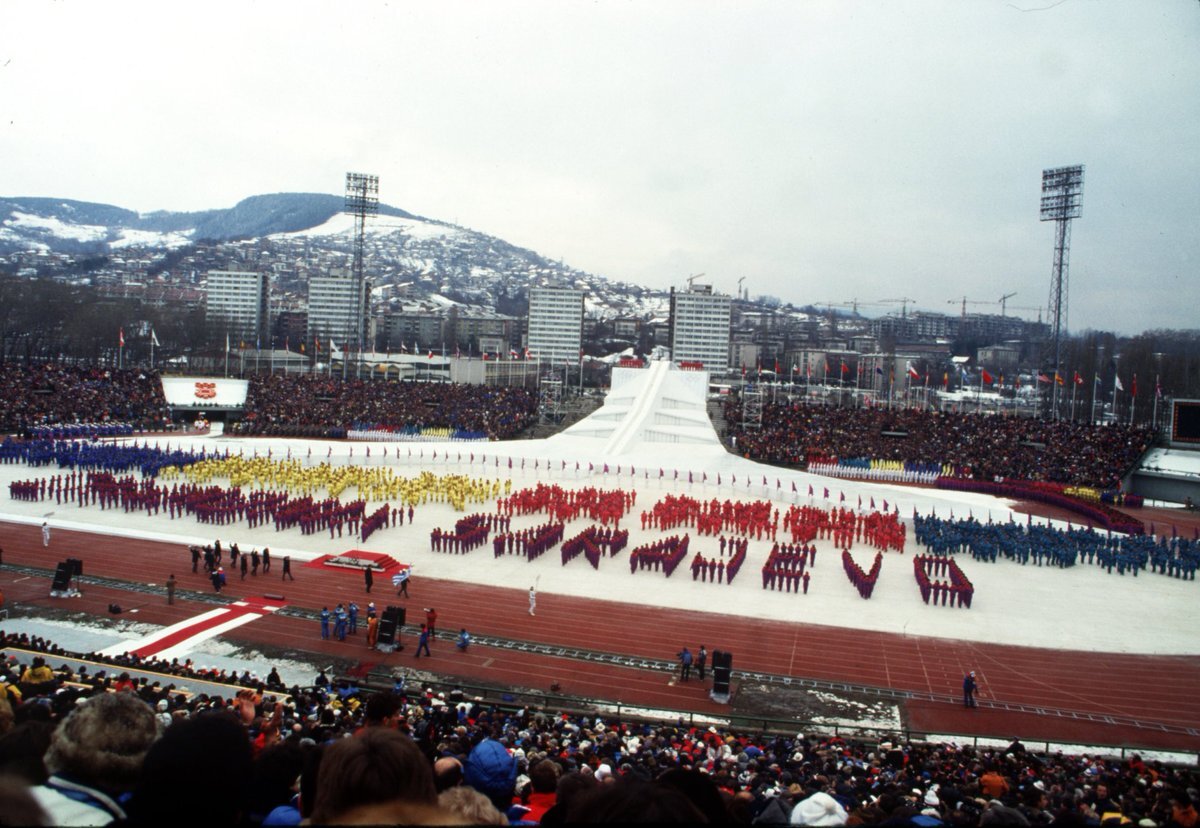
(1154, 416)
(1074, 392)
(152, 349)
(1095, 382)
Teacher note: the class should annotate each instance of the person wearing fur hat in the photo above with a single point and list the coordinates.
(819, 809)
(95, 759)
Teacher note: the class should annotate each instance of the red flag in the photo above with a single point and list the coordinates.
(1157, 387)
(1133, 387)
(120, 337)
(430, 354)
(1044, 378)
(777, 365)
(845, 368)
(986, 376)
(1078, 379)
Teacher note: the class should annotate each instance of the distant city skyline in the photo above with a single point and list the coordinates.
(824, 151)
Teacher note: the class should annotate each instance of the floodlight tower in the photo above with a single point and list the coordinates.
(362, 200)
(1062, 200)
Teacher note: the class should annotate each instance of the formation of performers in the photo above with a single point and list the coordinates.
(469, 533)
(750, 519)
(785, 567)
(845, 527)
(592, 544)
(664, 555)
(958, 590)
(715, 569)
(864, 582)
(564, 505)
(88, 456)
(1040, 545)
(529, 543)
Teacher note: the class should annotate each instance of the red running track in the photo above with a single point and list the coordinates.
(1156, 690)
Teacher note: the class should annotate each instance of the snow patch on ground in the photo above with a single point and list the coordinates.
(63, 230)
(150, 238)
(1065, 748)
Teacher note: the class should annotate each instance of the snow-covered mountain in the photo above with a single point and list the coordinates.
(309, 231)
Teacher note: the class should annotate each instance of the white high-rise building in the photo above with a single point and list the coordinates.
(700, 328)
(337, 312)
(555, 324)
(237, 301)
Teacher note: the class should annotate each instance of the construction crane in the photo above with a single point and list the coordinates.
(903, 302)
(966, 302)
(693, 278)
(1003, 301)
(742, 279)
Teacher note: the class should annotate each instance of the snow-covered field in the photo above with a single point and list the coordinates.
(1013, 604)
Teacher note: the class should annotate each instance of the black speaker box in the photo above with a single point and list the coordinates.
(62, 577)
(722, 669)
(387, 633)
(76, 566)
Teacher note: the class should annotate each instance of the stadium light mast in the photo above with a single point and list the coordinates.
(1062, 200)
(362, 200)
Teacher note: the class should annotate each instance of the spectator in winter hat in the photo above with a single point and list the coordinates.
(95, 757)
(492, 771)
(819, 809)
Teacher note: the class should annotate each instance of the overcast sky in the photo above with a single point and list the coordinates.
(825, 151)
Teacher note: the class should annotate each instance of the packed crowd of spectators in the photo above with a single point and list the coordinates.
(90, 749)
(316, 406)
(46, 394)
(975, 445)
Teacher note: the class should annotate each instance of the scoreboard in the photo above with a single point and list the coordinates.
(1185, 422)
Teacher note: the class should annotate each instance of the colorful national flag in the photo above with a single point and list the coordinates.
(154, 339)
(1078, 379)
(1117, 383)
(120, 337)
(1133, 387)
(912, 372)
(986, 377)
